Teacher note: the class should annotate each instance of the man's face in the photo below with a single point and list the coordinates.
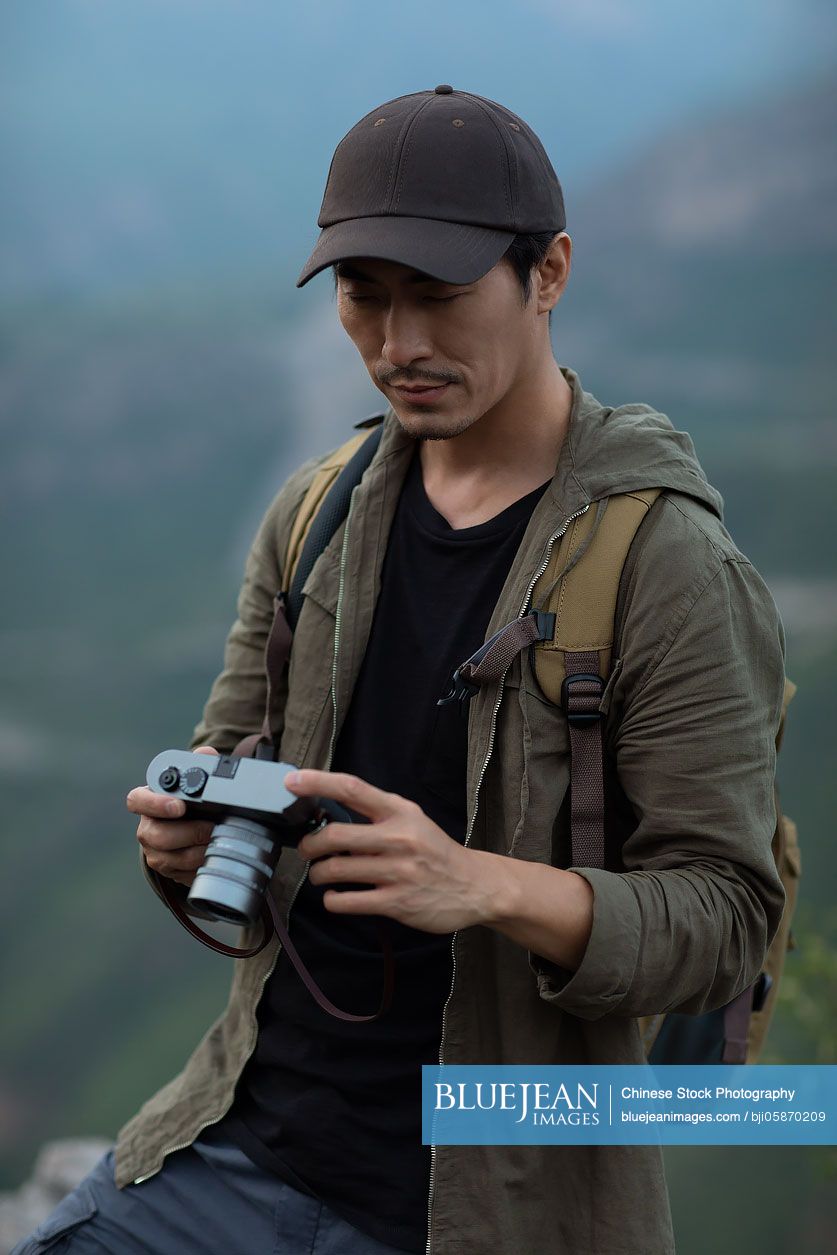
(475, 338)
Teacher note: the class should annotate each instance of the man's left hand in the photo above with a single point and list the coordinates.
(421, 876)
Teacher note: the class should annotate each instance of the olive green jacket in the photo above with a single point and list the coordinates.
(690, 898)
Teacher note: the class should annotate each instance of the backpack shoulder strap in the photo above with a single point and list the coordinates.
(572, 625)
(323, 509)
(580, 587)
(346, 465)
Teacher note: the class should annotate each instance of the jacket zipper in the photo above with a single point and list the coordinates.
(254, 1027)
(544, 564)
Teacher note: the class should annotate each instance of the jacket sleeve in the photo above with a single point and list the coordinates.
(685, 927)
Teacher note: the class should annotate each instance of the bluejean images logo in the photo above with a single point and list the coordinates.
(537, 1101)
(629, 1104)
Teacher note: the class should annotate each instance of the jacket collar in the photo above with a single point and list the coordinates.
(606, 450)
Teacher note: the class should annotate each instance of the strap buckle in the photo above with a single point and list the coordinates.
(461, 690)
(576, 706)
(538, 625)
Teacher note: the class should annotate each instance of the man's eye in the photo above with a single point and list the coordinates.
(353, 296)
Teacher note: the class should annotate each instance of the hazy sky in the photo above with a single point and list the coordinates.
(179, 124)
(594, 72)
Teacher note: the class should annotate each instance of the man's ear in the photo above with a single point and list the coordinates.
(554, 271)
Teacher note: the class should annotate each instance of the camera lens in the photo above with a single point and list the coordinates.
(240, 860)
(170, 779)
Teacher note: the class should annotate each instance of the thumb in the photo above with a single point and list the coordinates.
(205, 749)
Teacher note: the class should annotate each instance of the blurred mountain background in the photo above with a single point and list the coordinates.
(160, 376)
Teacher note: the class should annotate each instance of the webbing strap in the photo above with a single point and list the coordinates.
(581, 694)
(737, 1027)
(493, 658)
(580, 697)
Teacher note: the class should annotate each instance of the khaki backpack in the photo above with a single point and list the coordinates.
(574, 632)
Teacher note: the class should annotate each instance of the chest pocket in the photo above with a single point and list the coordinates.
(323, 584)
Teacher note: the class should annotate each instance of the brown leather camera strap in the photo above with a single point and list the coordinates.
(312, 986)
(271, 921)
(169, 889)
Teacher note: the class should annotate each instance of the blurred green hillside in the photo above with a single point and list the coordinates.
(144, 437)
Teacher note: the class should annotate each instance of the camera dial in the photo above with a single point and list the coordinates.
(193, 781)
(170, 779)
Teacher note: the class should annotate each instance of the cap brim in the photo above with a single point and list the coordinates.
(450, 251)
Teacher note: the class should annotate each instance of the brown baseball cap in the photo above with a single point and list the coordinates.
(441, 181)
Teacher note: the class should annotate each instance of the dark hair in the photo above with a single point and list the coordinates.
(524, 253)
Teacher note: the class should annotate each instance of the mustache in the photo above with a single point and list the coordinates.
(418, 381)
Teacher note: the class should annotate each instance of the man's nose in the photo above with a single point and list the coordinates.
(405, 337)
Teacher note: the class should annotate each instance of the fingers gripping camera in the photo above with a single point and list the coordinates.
(256, 816)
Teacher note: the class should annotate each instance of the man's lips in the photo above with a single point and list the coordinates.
(423, 395)
(430, 387)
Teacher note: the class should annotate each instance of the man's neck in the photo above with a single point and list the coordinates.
(503, 457)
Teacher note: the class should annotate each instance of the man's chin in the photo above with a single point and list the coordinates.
(432, 426)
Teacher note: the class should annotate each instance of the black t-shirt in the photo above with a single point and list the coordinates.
(334, 1108)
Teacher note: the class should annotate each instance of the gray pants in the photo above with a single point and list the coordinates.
(206, 1200)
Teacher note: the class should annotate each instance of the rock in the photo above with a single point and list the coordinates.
(59, 1167)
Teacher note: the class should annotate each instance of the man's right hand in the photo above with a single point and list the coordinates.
(173, 847)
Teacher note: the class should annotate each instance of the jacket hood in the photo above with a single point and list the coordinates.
(630, 447)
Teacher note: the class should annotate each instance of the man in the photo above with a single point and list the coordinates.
(291, 1130)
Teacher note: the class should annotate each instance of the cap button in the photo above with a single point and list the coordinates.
(444, 89)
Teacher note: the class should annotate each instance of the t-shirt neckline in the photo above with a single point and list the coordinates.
(426, 514)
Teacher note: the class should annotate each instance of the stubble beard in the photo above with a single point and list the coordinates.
(443, 431)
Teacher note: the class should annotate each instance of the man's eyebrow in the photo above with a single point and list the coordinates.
(345, 271)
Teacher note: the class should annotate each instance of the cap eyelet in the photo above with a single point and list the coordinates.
(457, 122)
(514, 126)
(379, 122)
